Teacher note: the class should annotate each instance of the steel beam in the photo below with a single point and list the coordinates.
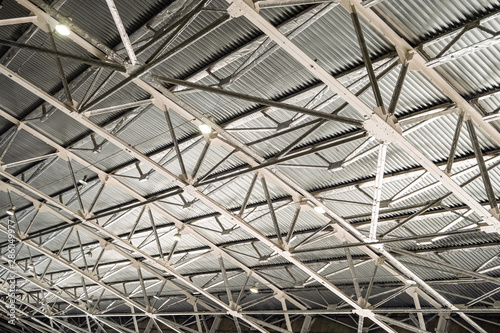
(19, 20)
(104, 175)
(62, 55)
(482, 168)
(377, 195)
(89, 232)
(168, 175)
(161, 170)
(122, 244)
(122, 31)
(42, 285)
(419, 63)
(259, 100)
(375, 124)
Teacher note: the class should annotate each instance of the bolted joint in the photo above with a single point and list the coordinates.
(190, 189)
(105, 245)
(406, 58)
(378, 246)
(376, 126)
(234, 307)
(495, 212)
(134, 263)
(484, 227)
(133, 69)
(380, 260)
(235, 314)
(235, 9)
(191, 300)
(367, 313)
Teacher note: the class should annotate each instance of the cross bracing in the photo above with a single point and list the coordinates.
(130, 211)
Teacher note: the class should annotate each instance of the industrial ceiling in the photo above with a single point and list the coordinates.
(236, 166)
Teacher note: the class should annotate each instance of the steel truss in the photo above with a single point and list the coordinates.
(83, 220)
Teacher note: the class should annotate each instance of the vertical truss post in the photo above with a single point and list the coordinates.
(482, 168)
(174, 140)
(271, 210)
(289, 235)
(429, 289)
(372, 280)
(69, 100)
(420, 63)
(87, 95)
(306, 325)
(443, 323)
(155, 232)
(215, 324)
(30, 224)
(361, 321)
(420, 315)
(132, 231)
(144, 291)
(226, 282)
(377, 194)
(247, 196)
(98, 194)
(399, 87)
(288, 322)
(353, 274)
(454, 143)
(381, 128)
(122, 242)
(11, 140)
(194, 174)
(122, 31)
(366, 58)
(75, 185)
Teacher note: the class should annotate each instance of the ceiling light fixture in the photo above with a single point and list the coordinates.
(62, 30)
(177, 236)
(11, 211)
(411, 282)
(83, 181)
(205, 129)
(254, 289)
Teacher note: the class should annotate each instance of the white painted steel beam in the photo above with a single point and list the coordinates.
(19, 20)
(377, 195)
(419, 63)
(178, 107)
(122, 31)
(134, 153)
(109, 246)
(375, 124)
(47, 288)
(114, 182)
